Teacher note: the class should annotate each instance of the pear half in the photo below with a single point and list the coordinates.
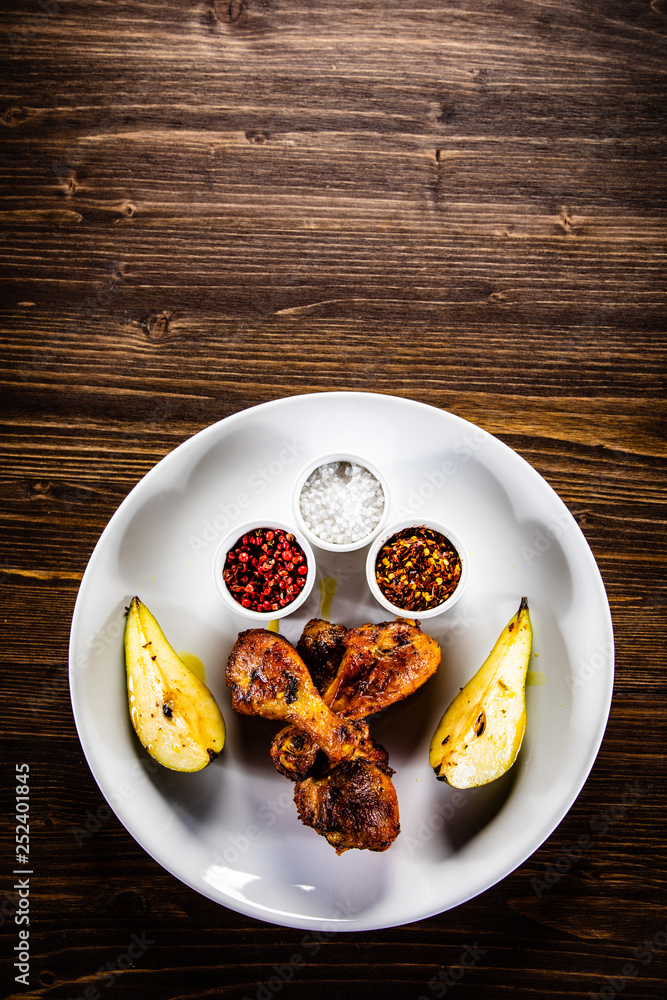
(480, 734)
(173, 712)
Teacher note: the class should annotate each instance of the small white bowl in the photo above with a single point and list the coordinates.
(233, 536)
(296, 506)
(386, 535)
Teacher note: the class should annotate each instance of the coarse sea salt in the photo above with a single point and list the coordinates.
(342, 502)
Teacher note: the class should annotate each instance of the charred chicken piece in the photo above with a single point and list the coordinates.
(267, 677)
(351, 800)
(321, 649)
(382, 664)
(354, 806)
(295, 753)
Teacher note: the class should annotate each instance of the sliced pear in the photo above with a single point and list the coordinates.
(173, 712)
(480, 734)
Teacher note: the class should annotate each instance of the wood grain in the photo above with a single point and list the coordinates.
(208, 205)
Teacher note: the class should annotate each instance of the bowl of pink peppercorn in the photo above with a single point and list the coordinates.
(264, 570)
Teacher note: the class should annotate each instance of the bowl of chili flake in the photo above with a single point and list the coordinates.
(417, 570)
(264, 571)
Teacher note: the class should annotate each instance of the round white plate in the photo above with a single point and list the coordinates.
(231, 831)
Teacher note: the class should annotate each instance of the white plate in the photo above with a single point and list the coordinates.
(231, 831)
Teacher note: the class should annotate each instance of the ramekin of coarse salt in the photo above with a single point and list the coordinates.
(341, 502)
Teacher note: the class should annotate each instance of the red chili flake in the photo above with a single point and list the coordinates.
(417, 569)
(258, 569)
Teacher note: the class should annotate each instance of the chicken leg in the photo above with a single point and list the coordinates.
(378, 666)
(267, 677)
(353, 806)
(353, 801)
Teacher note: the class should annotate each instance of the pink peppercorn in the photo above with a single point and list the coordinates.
(265, 570)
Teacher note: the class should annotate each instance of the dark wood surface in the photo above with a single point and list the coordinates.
(207, 205)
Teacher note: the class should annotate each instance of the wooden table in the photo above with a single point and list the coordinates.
(208, 205)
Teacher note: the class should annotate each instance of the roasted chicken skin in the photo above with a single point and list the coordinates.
(344, 791)
(267, 677)
(380, 665)
(321, 647)
(354, 806)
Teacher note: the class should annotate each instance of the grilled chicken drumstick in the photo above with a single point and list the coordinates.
(382, 664)
(378, 666)
(353, 806)
(267, 677)
(321, 647)
(353, 803)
